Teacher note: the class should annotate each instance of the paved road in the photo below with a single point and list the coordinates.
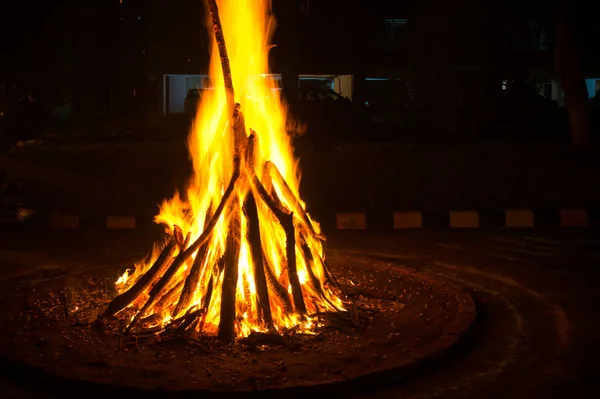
(538, 299)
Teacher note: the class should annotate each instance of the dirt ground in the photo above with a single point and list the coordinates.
(393, 321)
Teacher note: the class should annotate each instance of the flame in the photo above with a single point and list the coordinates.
(247, 27)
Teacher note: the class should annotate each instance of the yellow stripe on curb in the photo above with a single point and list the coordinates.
(464, 219)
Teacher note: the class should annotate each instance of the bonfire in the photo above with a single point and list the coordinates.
(241, 254)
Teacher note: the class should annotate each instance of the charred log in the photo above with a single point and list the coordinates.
(228, 289)
(287, 222)
(277, 289)
(192, 280)
(216, 20)
(276, 174)
(286, 219)
(215, 218)
(158, 288)
(168, 298)
(257, 261)
(311, 274)
(189, 320)
(161, 264)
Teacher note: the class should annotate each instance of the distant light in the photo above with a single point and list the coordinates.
(139, 17)
(25, 213)
(314, 78)
(144, 51)
(377, 79)
(189, 59)
(134, 92)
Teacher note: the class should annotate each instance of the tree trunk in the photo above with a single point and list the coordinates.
(567, 61)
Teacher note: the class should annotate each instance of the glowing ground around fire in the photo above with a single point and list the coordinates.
(398, 320)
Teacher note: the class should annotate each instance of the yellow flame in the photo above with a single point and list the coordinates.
(247, 28)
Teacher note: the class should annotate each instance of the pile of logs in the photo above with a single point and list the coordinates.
(157, 282)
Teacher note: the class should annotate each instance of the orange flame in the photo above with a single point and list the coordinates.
(247, 27)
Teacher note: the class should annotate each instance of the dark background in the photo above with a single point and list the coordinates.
(477, 144)
(97, 53)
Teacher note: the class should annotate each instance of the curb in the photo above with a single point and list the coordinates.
(467, 219)
(464, 219)
(74, 222)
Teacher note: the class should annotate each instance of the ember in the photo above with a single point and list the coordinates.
(242, 255)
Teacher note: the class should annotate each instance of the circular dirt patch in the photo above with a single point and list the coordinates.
(395, 320)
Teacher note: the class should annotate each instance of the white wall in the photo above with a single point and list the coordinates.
(177, 91)
(344, 86)
(341, 84)
(177, 87)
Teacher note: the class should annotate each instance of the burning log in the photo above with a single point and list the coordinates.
(120, 302)
(257, 261)
(330, 276)
(278, 289)
(178, 235)
(286, 220)
(188, 320)
(158, 288)
(227, 316)
(213, 221)
(273, 171)
(192, 280)
(216, 20)
(311, 274)
(290, 248)
(170, 296)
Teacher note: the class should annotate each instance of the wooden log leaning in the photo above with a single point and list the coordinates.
(161, 264)
(215, 218)
(253, 236)
(153, 297)
(276, 288)
(193, 277)
(192, 280)
(188, 320)
(316, 283)
(216, 20)
(230, 279)
(277, 176)
(286, 219)
(309, 268)
(167, 299)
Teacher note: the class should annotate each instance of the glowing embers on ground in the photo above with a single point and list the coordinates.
(241, 253)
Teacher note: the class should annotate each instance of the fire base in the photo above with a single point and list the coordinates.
(403, 320)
